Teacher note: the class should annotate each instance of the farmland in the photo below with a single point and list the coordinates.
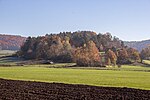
(147, 61)
(27, 90)
(127, 76)
(65, 81)
(6, 52)
(74, 50)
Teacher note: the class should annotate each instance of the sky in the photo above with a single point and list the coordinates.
(129, 20)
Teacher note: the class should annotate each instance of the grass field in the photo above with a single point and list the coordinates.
(6, 52)
(147, 61)
(127, 76)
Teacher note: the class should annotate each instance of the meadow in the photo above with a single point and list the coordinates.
(126, 76)
(147, 61)
(6, 52)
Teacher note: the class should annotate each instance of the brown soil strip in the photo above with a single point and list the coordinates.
(25, 90)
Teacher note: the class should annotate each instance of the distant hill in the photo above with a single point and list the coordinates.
(11, 42)
(139, 45)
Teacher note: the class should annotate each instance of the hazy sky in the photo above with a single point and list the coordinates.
(126, 19)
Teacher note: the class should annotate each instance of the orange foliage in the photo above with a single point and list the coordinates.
(112, 57)
(88, 55)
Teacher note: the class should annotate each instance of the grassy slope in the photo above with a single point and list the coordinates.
(121, 78)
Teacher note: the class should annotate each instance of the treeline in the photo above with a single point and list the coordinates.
(86, 48)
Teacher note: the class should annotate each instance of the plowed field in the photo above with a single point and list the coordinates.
(25, 90)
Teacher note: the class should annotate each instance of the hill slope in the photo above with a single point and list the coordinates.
(11, 42)
(139, 45)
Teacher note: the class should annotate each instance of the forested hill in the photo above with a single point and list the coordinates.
(11, 42)
(139, 45)
(45, 46)
(85, 48)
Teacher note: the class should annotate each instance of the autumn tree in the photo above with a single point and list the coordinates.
(122, 57)
(112, 57)
(82, 37)
(88, 55)
(67, 50)
(55, 47)
(145, 53)
(133, 54)
(42, 48)
(27, 50)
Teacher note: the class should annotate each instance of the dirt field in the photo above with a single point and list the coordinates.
(22, 90)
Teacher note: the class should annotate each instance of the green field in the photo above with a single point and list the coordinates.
(127, 76)
(147, 61)
(6, 52)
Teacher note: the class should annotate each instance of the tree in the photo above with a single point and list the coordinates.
(133, 54)
(112, 56)
(66, 54)
(122, 57)
(145, 53)
(88, 55)
(27, 50)
(41, 48)
(108, 61)
(82, 37)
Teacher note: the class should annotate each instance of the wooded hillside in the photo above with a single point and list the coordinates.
(139, 45)
(85, 48)
(82, 47)
(11, 42)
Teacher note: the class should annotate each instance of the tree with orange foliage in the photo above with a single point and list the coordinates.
(112, 57)
(88, 55)
(133, 54)
(122, 57)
